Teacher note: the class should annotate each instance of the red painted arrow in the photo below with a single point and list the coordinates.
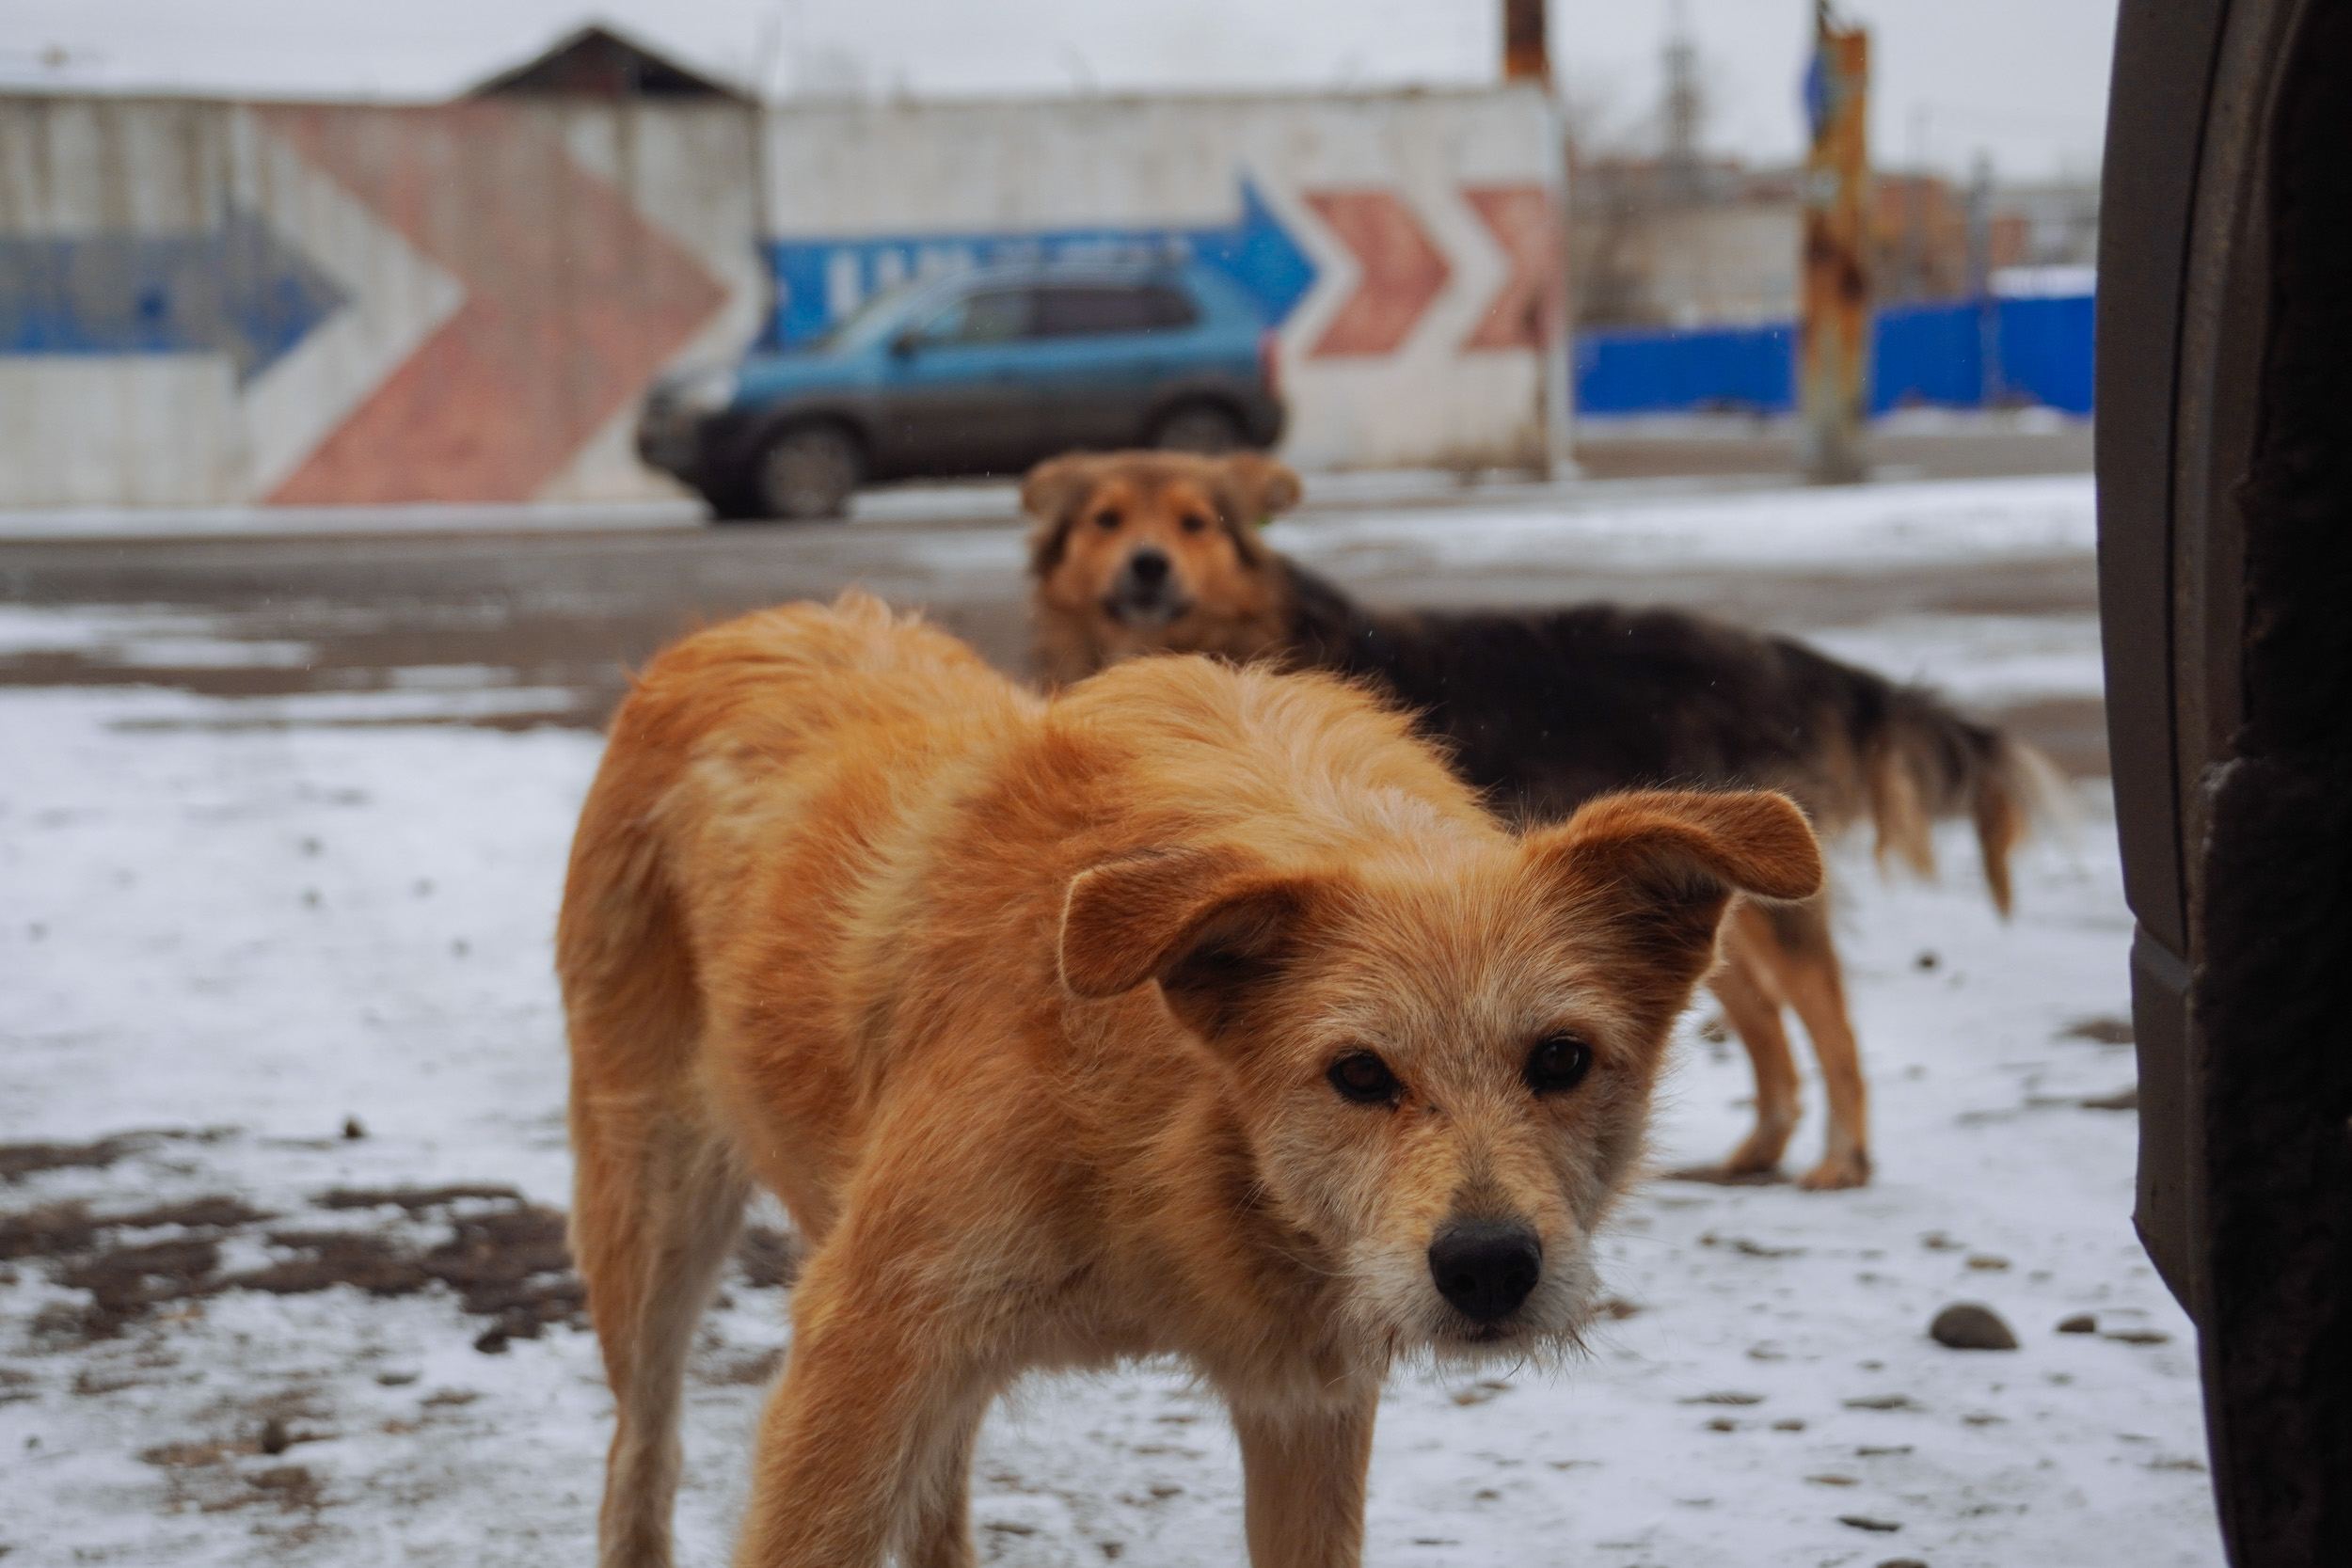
(573, 302)
(1401, 271)
(1530, 307)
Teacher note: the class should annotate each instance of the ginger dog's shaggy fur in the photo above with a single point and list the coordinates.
(1145, 552)
(1200, 1010)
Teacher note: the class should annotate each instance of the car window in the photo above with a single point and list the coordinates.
(995, 316)
(858, 326)
(1094, 309)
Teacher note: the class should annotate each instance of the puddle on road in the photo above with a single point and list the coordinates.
(487, 663)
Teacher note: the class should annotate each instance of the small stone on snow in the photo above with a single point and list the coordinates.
(1965, 1326)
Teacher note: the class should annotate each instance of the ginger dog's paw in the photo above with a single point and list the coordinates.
(1837, 1173)
(1754, 1158)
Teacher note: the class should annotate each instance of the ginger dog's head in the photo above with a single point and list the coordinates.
(1146, 552)
(1442, 1061)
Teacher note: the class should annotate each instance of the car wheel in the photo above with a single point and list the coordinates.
(1201, 427)
(809, 472)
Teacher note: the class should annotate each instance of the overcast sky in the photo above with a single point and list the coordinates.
(2024, 81)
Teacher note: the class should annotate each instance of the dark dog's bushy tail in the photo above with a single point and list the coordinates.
(1909, 761)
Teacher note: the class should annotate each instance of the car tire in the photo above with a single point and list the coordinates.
(809, 472)
(1201, 427)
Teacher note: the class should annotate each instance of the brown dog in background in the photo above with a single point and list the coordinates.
(1198, 1011)
(1144, 552)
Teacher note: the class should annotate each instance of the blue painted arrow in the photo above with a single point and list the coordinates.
(819, 280)
(237, 289)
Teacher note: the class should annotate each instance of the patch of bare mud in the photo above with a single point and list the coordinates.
(503, 1256)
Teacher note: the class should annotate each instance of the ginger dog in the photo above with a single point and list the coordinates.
(1200, 1011)
(1145, 552)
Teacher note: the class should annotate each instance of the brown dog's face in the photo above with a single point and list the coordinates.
(1444, 1070)
(1146, 552)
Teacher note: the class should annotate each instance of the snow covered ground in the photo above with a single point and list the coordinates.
(1861, 524)
(228, 928)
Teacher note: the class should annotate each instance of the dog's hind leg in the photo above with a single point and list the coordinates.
(1303, 1482)
(1752, 1005)
(1803, 960)
(656, 1206)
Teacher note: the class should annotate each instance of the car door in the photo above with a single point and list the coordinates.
(954, 401)
(1100, 352)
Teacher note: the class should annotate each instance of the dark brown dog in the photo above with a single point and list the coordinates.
(1140, 552)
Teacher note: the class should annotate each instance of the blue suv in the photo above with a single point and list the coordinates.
(982, 372)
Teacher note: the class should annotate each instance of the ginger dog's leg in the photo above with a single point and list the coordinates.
(1303, 1482)
(941, 1529)
(657, 1204)
(849, 1448)
(1754, 1011)
(1804, 962)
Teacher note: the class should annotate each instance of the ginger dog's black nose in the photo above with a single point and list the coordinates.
(1149, 568)
(1485, 1268)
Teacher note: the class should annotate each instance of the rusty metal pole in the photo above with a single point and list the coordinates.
(1527, 58)
(1526, 53)
(1834, 334)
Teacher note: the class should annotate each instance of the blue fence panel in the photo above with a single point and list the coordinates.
(1928, 354)
(2045, 352)
(1721, 369)
(1971, 355)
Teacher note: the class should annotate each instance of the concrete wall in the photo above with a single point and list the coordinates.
(215, 303)
(209, 303)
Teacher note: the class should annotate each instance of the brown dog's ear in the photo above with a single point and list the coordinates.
(1267, 488)
(1052, 494)
(1209, 927)
(1660, 866)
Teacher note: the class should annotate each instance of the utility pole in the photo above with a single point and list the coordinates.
(1526, 53)
(1991, 388)
(1527, 58)
(1835, 332)
(1679, 165)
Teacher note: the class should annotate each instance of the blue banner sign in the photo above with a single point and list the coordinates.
(820, 281)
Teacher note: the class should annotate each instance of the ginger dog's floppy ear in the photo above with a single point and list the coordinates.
(1052, 494)
(1210, 927)
(1660, 867)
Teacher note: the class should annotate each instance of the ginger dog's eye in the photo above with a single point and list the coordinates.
(1558, 1064)
(1195, 523)
(1107, 521)
(1364, 1078)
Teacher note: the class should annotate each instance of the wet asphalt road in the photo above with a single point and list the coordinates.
(562, 612)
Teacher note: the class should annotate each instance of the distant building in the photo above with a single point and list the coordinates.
(1673, 244)
(2058, 222)
(1666, 243)
(597, 62)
